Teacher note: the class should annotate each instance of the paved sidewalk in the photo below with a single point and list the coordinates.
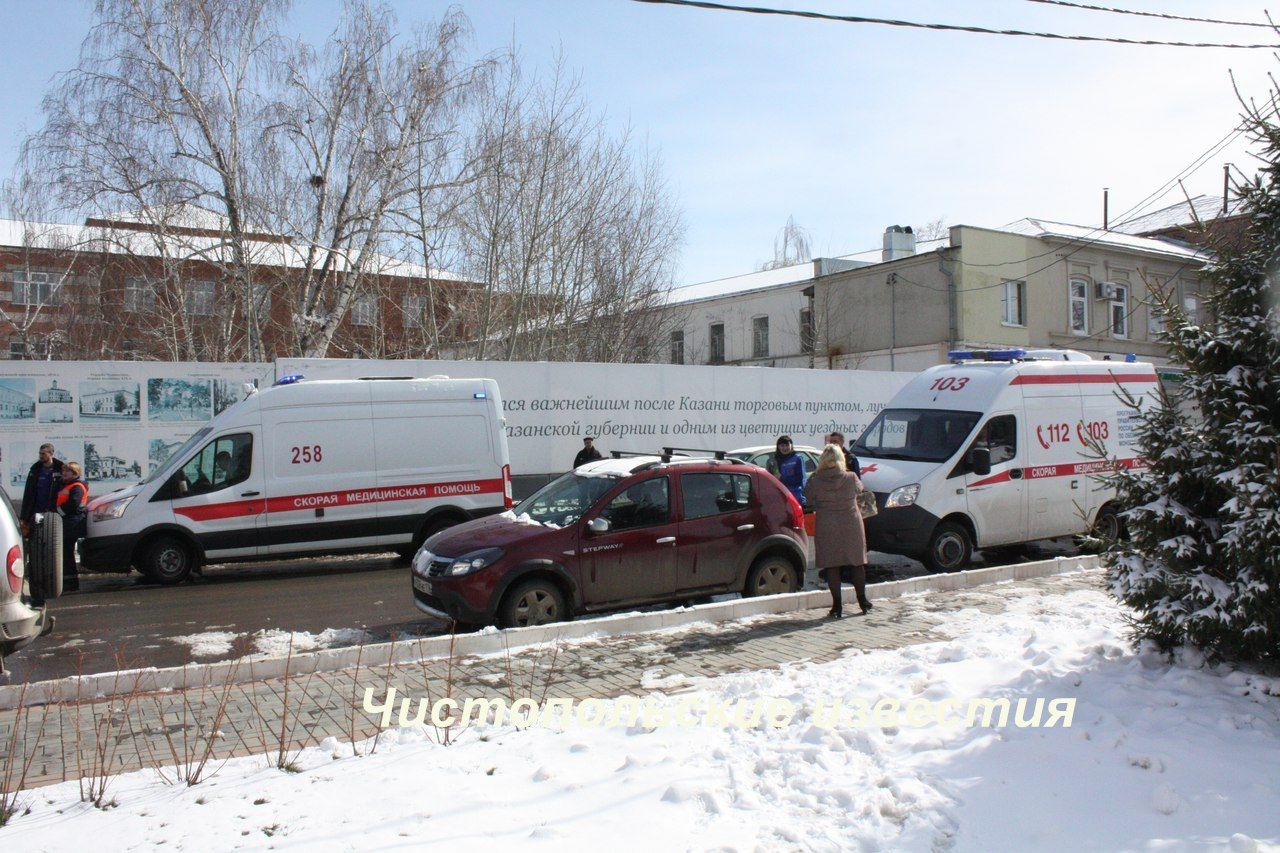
(127, 733)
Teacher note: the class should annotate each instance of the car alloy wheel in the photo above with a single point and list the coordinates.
(535, 603)
(771, 576)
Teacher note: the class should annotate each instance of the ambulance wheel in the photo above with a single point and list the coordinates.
(1107, 526)
(167, 560)
(45, 557)
(950, 548)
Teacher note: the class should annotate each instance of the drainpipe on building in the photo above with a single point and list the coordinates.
(953, 308)
(813, 326)
(893, 318)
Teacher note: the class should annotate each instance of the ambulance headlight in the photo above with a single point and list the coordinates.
(905, 496)
(476, 560)
(107, 510)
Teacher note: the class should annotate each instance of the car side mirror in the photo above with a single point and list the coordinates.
(598, 525)
(980, 460)
(178, 485)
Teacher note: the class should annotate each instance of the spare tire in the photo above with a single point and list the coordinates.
(44, 556)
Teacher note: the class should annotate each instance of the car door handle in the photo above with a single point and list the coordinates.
(1075, 484)
(667, 540)
(249, 494)
(746, 527)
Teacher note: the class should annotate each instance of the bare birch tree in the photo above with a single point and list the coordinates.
(161, 114)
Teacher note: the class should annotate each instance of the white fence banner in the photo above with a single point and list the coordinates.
(551, 406)
(119, 419)
(122, 419)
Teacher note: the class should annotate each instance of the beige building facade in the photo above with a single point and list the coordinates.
(1035, 284)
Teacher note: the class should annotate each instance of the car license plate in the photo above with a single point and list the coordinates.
(422, 585)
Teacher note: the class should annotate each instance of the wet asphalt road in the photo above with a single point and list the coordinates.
(122, 622)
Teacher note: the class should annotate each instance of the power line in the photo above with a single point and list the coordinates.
(1163, 15)
(891, 22)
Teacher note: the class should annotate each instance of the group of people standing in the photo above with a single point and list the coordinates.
(56, 486)
(831, 492)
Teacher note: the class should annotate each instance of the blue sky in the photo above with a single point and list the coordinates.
(847, 128)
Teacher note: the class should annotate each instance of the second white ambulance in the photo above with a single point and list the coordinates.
(308, 467)
(994, 450)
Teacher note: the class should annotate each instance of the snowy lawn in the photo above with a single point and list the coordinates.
(1158, 757)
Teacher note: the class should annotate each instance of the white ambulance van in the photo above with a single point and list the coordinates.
(308, 467)
(993, 450)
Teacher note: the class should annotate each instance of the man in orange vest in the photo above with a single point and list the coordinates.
(71, 503)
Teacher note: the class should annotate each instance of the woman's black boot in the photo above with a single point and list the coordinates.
(833, 584)
(860, 587)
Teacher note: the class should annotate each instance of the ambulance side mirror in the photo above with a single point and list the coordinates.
(980, 460)
(180, 485)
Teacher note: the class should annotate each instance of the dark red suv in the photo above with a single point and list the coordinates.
(614, 533)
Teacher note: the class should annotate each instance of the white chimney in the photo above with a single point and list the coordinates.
(899, 242)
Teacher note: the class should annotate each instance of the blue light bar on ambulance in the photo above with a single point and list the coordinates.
(290, 379)
(481, 395)
(986, 355)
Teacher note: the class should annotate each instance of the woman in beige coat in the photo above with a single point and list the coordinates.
(839, 538)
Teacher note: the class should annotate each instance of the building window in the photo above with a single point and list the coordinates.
(716, 334)
(677, 347)
(415, 312)
(36, 288)
(1013, 303)
(17, 349)
(1079, 306)
(262, 300)
(1120, 311)
(808, 334)
(1191, 307)
(760, 337)
(200, 298)
(139, 295)
(364, 311)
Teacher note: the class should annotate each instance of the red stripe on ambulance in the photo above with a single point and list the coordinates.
(1083, 379)
(350, 497)
(1037, 472)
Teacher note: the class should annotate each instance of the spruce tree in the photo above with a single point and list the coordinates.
(1201, 564)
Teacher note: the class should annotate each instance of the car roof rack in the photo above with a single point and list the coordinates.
(668, 452)
(618, 454)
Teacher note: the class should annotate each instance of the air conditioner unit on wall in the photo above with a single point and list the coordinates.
(1104, 290)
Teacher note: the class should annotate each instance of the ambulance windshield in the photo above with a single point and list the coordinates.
(916, 435)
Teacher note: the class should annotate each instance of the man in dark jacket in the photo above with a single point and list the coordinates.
(43, 481)
(850, 461)
(787, 466)
(588, 453)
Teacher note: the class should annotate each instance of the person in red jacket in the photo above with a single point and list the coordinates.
(71, 503)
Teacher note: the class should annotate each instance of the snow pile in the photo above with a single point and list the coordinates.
(269, 642)
(208, 644)
(274, 642)
(1157, 757)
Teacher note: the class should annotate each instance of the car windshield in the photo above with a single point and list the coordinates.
(181, 453)
(563, 501)
(916, 435)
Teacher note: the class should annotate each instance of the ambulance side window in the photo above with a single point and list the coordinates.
(223, 462)
(1000, 436)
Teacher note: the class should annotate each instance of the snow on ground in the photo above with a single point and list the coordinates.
(272, 642)
(276, 643)
(1158, 757)
(208, 644)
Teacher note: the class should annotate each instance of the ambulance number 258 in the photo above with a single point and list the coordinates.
(307, 454)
